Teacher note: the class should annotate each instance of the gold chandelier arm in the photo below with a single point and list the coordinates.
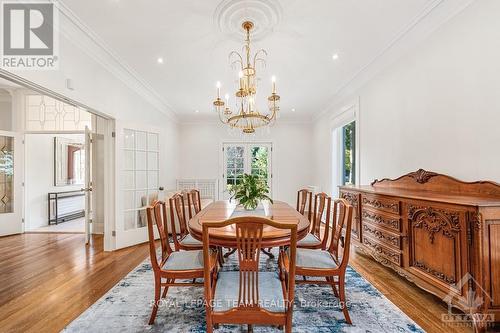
(257, 58)
(238, 59)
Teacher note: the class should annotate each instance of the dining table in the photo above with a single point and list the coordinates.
(277, 211)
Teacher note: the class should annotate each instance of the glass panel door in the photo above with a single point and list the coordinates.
(140, 182)
(11, 154)
(240, 158)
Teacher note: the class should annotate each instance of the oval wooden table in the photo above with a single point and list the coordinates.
(226, 237)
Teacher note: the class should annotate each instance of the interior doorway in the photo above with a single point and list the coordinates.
(46, 160)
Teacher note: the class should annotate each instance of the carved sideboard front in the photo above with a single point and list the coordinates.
(438, 232)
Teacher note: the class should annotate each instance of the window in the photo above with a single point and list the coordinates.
(240, 158)
(348, 153)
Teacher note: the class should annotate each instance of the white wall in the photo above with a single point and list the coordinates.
(437, 108)
(39, 177)
(200, 155)
(5, 116)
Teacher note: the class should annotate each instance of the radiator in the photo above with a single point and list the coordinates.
(209, 188)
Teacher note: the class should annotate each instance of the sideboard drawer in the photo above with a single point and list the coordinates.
(382, 251)
(382, 203)
(388, 238)
(391, 223)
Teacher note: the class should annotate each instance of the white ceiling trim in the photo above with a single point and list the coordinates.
(375, 65)
(73, 28)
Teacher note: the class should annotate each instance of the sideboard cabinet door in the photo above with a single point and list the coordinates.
(438, 244)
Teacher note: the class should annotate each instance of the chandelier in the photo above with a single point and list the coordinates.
(246, 116)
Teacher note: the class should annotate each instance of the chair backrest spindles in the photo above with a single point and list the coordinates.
(304, 200)
(156, 214)
(342, 217)
(194, 201)
(249, 232)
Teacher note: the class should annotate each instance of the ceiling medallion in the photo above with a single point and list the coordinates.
(247, 117)
(264, 14)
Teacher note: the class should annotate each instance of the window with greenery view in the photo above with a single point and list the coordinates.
(241, 158)
(348, 154)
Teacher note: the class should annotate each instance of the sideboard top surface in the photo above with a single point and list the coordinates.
(426, 185)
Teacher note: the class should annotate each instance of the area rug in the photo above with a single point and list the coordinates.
(126, 308)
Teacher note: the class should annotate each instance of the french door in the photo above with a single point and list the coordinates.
(139, 151)
(11, 183)
(240, 158)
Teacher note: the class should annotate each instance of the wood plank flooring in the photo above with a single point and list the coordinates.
(47, 280)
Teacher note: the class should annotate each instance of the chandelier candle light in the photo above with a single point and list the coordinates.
(247, 117)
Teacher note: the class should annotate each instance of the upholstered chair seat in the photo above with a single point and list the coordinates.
(188, 240)
(310, 258)
(184, 260)
(309, 240)
(227, 292)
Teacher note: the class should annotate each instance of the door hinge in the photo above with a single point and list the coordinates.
(22, 184)
(113, 134)
(113, 233)
(23, 141)
(22, 220)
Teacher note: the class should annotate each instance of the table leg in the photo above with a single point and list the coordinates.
(268, 252)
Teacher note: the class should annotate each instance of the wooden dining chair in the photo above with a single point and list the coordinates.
(194, 202)
(174, 265)
(249, 296)
(182, 239)
(327, 263)
(304, 201)
(313, 240)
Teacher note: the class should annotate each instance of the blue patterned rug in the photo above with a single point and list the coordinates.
(127, 306)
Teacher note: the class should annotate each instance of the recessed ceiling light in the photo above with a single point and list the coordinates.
(335, 56)
(293, 110)
(196, 111)
(160, 60)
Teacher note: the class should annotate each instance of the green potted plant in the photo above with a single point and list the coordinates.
(249, 191)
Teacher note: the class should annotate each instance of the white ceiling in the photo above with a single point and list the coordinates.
(187, 36)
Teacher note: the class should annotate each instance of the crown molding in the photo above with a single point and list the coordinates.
(76, 31)
(406, 38)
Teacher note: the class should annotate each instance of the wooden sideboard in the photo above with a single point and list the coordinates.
(441, 233)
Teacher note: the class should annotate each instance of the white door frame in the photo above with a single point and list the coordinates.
(346, 115)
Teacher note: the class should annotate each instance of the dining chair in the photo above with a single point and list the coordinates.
(319, 263)
(313, 240)
(304, 201)
(249, 296)
(174, 265)
(194, 202)
(182, 239)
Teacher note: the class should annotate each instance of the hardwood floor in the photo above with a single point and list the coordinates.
(47, 280)
(424, 308)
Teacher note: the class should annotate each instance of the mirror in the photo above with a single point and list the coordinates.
(69, 162)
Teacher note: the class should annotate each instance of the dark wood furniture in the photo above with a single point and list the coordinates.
(182, 239)
(174, 265)
(304, 200)
(218, 211)
(313, 240)
(60, 208)
(249, 296)
(441, 233)
(327, 264)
